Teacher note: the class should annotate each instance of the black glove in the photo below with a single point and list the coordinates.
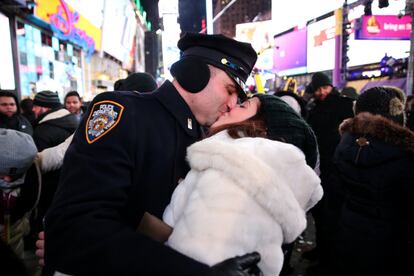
(245, 265)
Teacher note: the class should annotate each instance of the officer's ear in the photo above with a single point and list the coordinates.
(191, 73)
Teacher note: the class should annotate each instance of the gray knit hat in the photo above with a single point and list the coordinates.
(47, 99)
(386, 101)
(284, 124)
(17, 152)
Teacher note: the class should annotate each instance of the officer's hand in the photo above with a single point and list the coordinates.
(40, 245)
(245, 265)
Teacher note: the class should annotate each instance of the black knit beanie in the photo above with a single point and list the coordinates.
(284, 124)
(141, 82)
(386, 101)
(318, 80)
(47, 99)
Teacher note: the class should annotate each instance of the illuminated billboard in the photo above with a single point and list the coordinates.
(289, 56)
(321, 45)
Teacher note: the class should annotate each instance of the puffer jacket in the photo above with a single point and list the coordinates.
(53, 128)
(241, 195)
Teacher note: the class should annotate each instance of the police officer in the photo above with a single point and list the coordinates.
(126, 159)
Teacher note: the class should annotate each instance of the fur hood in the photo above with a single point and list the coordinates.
(375, 126)
(268, 171)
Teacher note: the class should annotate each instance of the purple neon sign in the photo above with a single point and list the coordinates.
(384, 27)
(290, 50)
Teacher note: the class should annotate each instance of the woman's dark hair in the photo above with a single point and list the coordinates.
(252, 127)
(72, 93)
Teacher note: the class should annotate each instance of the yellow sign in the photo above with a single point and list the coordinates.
(68, 24)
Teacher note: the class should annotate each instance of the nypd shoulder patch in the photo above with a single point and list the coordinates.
(104, 116)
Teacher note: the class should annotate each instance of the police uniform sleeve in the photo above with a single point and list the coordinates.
(85, 231)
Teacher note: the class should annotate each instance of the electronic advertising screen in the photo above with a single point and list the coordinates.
(321, 45)
(367, 51)
(289, 56)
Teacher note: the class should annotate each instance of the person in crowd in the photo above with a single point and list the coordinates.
(349, 92)
(53, 125)
(127, 158)
(329, 110)
(139, 81)
(73, 103)
(242, 193)
(370, 200)
(19, 186)
(53, 122)
(26, 106)
(10, 116)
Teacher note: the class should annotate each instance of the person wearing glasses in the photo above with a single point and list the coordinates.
(10, 116)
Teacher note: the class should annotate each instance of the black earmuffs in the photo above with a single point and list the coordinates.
(191, 73)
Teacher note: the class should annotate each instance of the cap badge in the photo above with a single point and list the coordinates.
(104, 116)
(231, 65)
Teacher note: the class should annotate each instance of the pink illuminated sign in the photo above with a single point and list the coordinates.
(384, 27)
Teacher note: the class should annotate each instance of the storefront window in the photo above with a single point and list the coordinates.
(47, 63)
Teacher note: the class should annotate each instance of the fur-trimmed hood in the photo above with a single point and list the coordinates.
(375, 126)
(272, 172)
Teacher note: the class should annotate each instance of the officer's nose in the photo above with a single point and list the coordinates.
(232, 102)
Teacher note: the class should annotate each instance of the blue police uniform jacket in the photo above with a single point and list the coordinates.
(126, 158)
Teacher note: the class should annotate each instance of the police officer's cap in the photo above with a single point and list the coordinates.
(234, 57)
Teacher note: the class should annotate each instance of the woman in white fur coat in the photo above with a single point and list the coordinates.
(246, 194)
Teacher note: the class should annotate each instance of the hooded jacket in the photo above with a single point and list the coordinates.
(370, 202)
(241, 195)
(53, 128)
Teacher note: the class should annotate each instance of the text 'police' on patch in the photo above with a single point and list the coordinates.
(104, 116)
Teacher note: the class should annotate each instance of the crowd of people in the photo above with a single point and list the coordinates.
(196, 178)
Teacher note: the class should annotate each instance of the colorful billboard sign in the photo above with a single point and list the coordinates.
(384, 27)
(118, 35)
(68, 24)
(289, 50)
(321, 45)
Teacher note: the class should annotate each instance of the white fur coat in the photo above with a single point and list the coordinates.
(241, 195)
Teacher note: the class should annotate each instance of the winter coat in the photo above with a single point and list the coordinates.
(370, 202)
(325, 118)
(241, 195)
(16, 122)
(53, 128)
(110, 180)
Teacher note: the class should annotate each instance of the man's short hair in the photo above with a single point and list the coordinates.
(71, 94)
